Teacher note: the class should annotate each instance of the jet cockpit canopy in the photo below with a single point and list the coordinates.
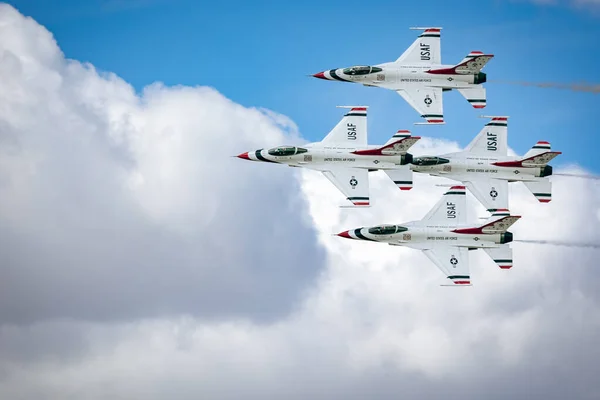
(426, 160)
(282, 151)
(386, 229)
(361, 70)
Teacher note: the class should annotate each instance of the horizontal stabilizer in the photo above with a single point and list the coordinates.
(502, 256)
(403, 177)
(542, 189)
(476, 96)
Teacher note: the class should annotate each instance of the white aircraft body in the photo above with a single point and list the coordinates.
(419, 76)
(345, 158)
(485, 168)
(445, 237)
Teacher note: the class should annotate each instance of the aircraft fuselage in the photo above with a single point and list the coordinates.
(314, 156)
(419, 236)
(462, 166)
(394, 76)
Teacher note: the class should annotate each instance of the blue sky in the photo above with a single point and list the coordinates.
(260, 53)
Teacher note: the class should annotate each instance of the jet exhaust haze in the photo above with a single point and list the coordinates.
(575, 87)
(560, 243)
(593, 177)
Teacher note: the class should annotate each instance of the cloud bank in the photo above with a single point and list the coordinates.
(140, 261)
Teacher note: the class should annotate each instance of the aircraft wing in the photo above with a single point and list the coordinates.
(492, 193)
(425, 49)
(452, 261)
(353, 182)
(427, 101)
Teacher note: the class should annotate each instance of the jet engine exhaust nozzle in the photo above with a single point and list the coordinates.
(506, 237)
(546, 171)
(480, 77)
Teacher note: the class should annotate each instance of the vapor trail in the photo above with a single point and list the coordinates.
(561, 243)
(594, 177)
(575, 87)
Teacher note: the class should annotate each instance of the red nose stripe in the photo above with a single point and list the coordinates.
(344, 234)
(244, 156)
(320, 75)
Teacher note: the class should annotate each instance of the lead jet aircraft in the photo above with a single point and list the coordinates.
(345, 158)
(445, 237)
(419, 76)
(485, 167)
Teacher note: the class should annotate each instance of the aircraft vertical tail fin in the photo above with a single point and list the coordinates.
(451, 209)
(502, 256)
(425, 49)
(351, 129)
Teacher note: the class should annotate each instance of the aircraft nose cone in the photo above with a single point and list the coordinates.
(320, 75)
(344, 234)
(243, 156)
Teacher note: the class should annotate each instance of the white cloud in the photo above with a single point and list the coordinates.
(141, 261)
(117, 206)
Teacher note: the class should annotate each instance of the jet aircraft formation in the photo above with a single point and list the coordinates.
(484, 167)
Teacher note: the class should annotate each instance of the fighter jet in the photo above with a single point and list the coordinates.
(345, 158)
(486, 169)
(445, 237)
(419, 76)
